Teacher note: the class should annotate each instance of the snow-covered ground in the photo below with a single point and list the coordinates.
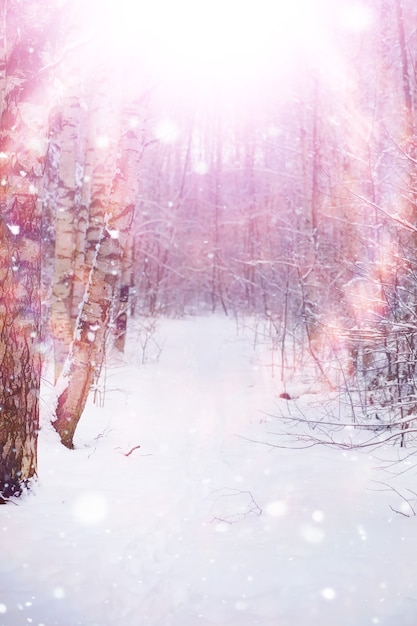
(200, 525)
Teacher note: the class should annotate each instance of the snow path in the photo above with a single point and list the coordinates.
(199, 525)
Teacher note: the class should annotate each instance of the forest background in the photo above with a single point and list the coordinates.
(177, 161)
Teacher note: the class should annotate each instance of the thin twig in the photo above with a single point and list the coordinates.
(130, 451)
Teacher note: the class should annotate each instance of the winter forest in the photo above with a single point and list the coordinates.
(208, 233)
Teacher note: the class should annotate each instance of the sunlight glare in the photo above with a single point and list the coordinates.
(166, 131)
(356, 17)
(211, 40)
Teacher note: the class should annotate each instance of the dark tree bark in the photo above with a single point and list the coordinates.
(22, 154)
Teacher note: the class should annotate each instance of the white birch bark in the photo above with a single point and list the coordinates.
(65, 231)
(88, 346)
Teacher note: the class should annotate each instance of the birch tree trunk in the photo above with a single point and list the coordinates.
(101, 158)
(123, 200)
(88, 346)
(65, 234)
(126, 280)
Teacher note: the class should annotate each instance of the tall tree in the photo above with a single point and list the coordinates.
(22, 153)
(66, 216)
(94, 321)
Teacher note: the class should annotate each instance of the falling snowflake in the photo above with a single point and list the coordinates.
(328, 593)
(90, 509)
(14, 228)
(59, 593)
(278, 508)
(312, 534)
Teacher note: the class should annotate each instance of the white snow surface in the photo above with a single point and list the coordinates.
(201, 525)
